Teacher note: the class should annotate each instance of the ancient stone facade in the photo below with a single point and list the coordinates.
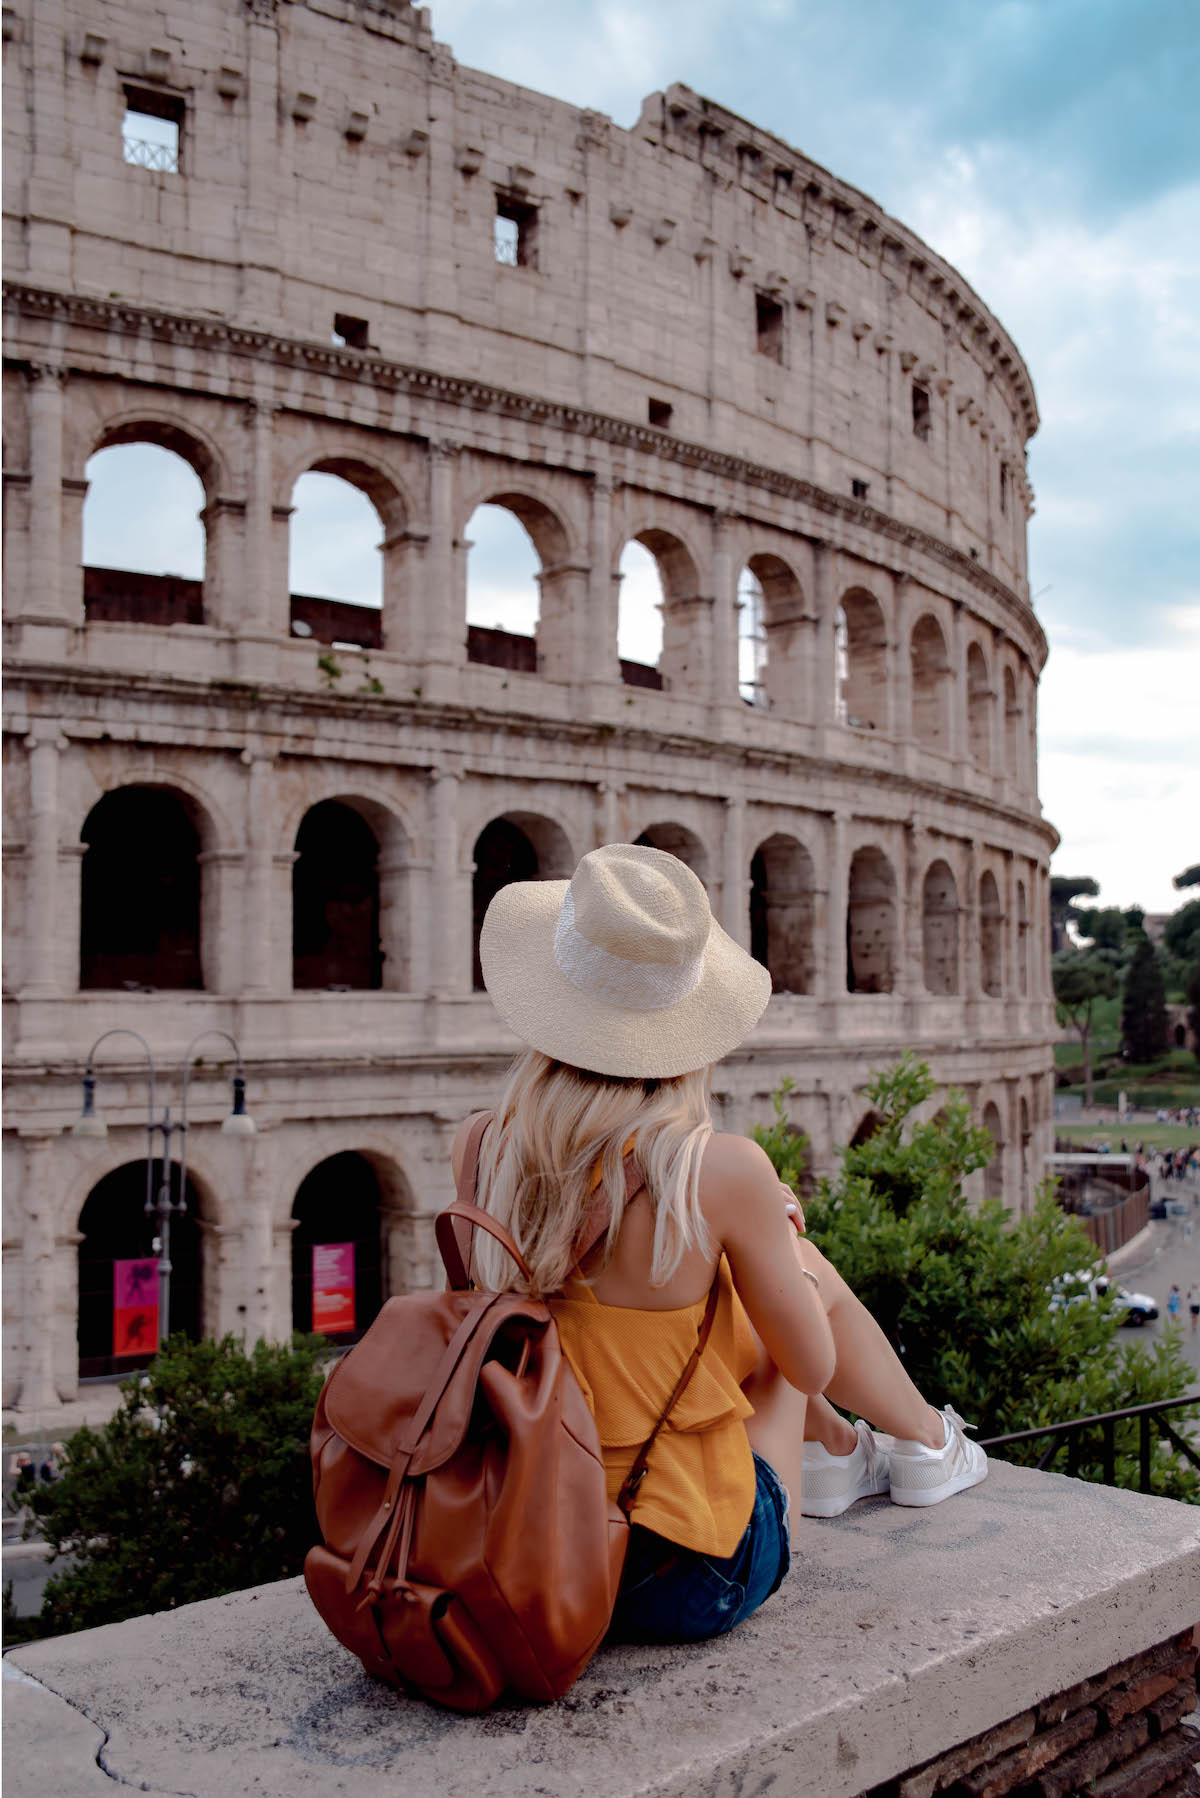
(692, 337)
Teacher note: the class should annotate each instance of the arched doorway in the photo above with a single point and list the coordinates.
(336, 535)
(140, 899)
(993, 1173)
(781, 913)
(518, 846)
(979, 708)
(871, 924)
(154, 574)
(930, 666)
(338, 1238)
(117, 1238)
(991, 936)
(861, 661)
(335, 901)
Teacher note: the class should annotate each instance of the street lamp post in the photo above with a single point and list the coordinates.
(160, 1204)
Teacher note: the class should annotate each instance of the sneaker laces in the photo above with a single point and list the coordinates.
(872, 1453)
(952, 1415)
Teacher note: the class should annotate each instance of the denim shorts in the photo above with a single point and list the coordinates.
(673, 1594)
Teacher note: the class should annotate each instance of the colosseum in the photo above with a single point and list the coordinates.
(257, 826)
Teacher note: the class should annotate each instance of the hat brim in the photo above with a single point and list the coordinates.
(547, 1011)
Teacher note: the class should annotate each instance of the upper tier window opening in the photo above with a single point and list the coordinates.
(152, 130)
(768, 319)
(922, 412)
(515, 233)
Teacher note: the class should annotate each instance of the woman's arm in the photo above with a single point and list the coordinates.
(745, 1207)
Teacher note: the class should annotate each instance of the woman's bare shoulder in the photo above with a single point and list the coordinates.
(735, 1170)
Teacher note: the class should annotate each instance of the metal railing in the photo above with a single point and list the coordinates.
(1148, 1416)
(146, 155)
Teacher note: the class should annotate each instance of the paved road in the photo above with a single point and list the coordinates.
(1170, 1252)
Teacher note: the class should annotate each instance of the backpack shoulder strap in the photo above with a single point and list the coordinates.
(468, 1178)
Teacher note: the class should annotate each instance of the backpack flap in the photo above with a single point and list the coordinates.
(421, 1344)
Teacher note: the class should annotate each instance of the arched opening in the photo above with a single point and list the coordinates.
(503, 575)
(336, 535)
(781, 913)
(683, 658)
(335, 901)
(930, 667)
(993, 1173)
(861, 661)
(752, 639)
(869, 1125)
(777, 647)
(337, 1249)
(1012, 727)
(678, 840)
(118, 1272)
(871, 924)
(991, 936)
(518, 846)
(141, 893)
(144, 543)
(1179, 1036)
(939, 929)
(979, 709)
(1022, 940)
(1026, 1192)
(640, 617)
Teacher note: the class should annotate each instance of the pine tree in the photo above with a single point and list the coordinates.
(1144, 1005)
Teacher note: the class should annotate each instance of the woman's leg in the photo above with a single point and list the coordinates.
(777, 1429)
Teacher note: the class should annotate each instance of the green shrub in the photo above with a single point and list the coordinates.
(199, 1484)
(965, 1295)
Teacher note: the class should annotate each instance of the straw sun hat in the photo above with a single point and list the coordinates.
(623, 969)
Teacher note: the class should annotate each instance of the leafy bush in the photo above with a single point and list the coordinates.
(200, 1484)
(965, 1296)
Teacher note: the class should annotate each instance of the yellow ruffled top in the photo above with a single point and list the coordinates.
(700, 1481)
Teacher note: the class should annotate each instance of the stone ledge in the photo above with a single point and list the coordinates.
(898, 1636)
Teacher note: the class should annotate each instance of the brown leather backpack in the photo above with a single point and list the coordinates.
(470, 1544)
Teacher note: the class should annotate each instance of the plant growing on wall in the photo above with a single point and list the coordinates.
(966, 1294)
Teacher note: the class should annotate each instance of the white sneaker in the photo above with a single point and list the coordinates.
(832, 1483)
(925, 1476)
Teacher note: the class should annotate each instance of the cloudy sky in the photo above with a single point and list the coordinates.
(1050, 149)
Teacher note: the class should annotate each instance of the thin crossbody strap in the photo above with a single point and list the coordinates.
(637, 1472)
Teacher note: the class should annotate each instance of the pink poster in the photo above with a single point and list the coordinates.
(135, 1307)
(333, 1287)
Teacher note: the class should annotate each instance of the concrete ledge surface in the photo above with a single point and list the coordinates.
(898, 1634)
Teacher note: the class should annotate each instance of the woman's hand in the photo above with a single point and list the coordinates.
(793, 1208)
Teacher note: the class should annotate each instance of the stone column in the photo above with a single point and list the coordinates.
(724, 616)
(912, 930)
(822, 707)
(44, 744)
(46, 598)
(959, 745)
(264, 605)
(608, 812)
(261, 1314)
(838, 902)
(564, 628)
(444, 616)
(395, 915)
(221, 886)
(225, 584)
(450, 968)
(602, 590)
(735, 883)
(898, 715)
(972, 988)
(258, 910)
(39, 1319)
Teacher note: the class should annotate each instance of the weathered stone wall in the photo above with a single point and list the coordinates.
(335, 161)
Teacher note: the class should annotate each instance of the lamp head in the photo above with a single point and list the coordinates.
(239, 1122)
(89, 1123)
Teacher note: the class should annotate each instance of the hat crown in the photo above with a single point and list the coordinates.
(640, 905)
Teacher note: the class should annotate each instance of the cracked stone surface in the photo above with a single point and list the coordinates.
(897, 1634)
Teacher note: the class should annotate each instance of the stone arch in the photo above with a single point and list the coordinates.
(785, 626)
(930, 670)
(542, 642)
(684, 612)
(991, 936)
(678, 840)
(196, 446)
(142, 910)
(340, 1207)
(861, 658)
(514, 846)
(781, 913)
(1012, 726)
(869, 1124)
(939, 929)
(156, 574)
(871, 924)
(993, 1173)
(979, 708)
(344, 587)
(640, 603)
(351, 899)
(1022, 940)
(114, 1228)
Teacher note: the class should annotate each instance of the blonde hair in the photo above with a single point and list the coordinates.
(554, 1127)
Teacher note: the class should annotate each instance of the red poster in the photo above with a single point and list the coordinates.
(333, 1287)
(135, 1307)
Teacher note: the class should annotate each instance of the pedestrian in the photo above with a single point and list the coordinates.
(1174, 1303)
(627, 992)
(1193, 1304)
(52, 1466)
(22, 1466)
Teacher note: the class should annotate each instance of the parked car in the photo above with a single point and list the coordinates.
(1135, 1308)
